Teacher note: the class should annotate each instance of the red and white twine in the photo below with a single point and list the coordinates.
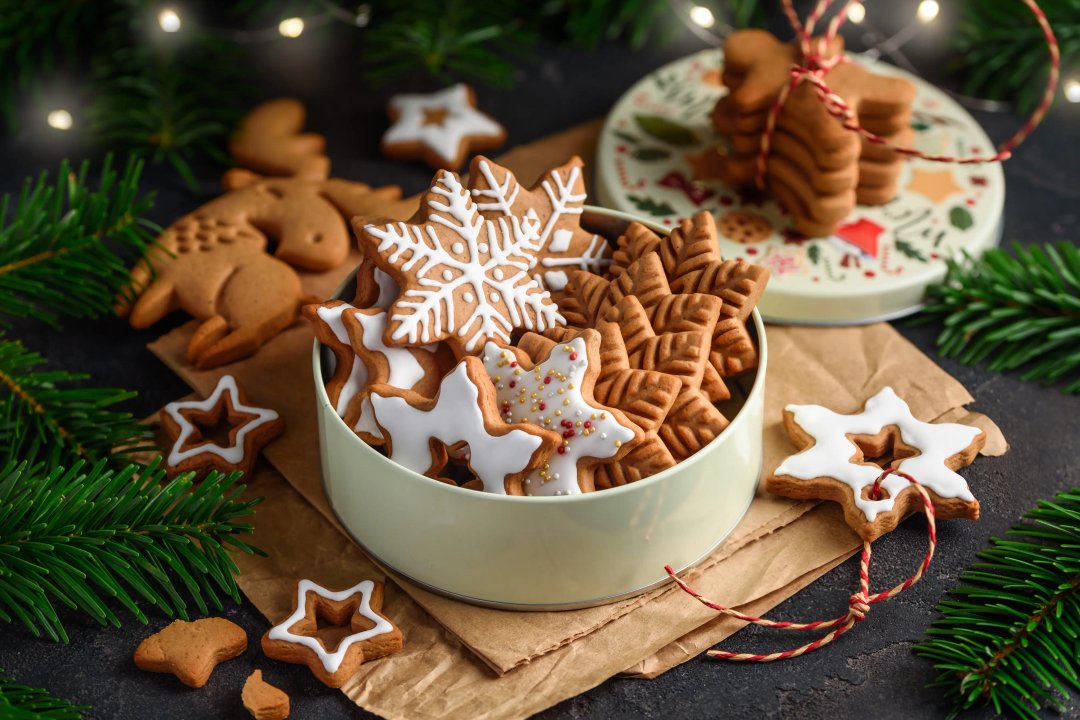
(814, 66)
(858, 604)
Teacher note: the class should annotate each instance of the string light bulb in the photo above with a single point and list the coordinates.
(169, 20)
(1072, 91)
(702, 16)
(59, 120)
(856, 13)
(928, 10)
(291, 27)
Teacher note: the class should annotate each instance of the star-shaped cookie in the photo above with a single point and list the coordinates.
(249, 429)
(191, 650)
(441, 128)
(371, 634)
(843, 455)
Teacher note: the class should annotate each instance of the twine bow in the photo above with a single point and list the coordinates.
(858, 604)
(813, 66)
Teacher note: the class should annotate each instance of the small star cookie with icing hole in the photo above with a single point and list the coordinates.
(556, 393)
(357, 611)
(440, 128)
(843, 455)
(466, 410)
(462, 277)
(555, 202)
(243, 429)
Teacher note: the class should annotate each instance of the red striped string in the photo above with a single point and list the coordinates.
(814, 66)
(858, 604)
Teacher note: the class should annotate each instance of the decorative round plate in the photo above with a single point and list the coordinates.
(878, 263)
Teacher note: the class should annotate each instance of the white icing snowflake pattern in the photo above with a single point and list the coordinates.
(458, 259)
(830, 454)
(564, 245)
(550, 396)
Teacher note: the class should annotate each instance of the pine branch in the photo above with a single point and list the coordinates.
(1019, 312)
(65, 247)
(589, 23)
(82, 538)
(50, 416)
(1010, 638)
(1002, 52)
(21, 702)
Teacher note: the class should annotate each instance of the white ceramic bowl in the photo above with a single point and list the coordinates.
(544, 553)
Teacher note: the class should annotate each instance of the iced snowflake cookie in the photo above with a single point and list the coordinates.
(466, 410)
(187, 422)
(557, 394)
(440, 128)
(842, 456)
(370, 636)
(463, 278)
(555, 204)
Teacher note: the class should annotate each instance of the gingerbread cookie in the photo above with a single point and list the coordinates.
(191, 650)
(840, 456)
(263, 700)
(417, 430)
(744, 226)
(463, 278)
(555, 203)
(557, 393)
(249, 429)
(213, 262)
(371, 634)
(440, 128)
(269, 141)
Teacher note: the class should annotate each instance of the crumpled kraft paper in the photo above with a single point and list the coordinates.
(779, 547)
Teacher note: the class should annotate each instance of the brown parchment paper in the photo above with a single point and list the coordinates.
(452, 650)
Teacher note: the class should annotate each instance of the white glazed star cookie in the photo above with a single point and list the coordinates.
(441, 128)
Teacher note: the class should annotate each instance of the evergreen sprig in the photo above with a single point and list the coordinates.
(1010, 637)
(1002, 53)
(51, 416)
(22, 702)
(1014, 312)
(65, 246)
(86, 538)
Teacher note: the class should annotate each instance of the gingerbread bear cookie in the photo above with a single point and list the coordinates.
(440, 128)
(249, 429)
(417, 430)
(371, 635)
(837, 462)
(463, 278)
(191, 650)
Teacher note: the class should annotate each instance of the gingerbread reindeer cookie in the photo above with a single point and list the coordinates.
(837, 462)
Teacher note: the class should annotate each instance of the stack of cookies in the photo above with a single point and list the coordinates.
(495, 344)
(816, 168)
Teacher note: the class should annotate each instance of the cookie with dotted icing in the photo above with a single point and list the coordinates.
(440, 128)
(466, 409)
(841, 457)
(556, 393)
(357, 610)
(462, 277)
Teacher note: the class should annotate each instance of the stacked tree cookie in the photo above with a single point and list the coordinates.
(496, 343)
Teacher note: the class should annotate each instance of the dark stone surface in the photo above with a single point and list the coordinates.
(871, 670)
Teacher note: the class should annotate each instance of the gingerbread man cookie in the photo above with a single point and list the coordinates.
(250, 428)
(440, 128)
(358, 608)
(837, 462)
(463, 278)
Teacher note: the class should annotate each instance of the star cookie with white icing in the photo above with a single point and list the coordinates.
(418, 431)
(358, 610)
(557, 394)
(244, 430)
(462, 277)
(843, 455)
(441, 128)
(556, 203)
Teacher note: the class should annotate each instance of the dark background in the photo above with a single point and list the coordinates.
(869, 671)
